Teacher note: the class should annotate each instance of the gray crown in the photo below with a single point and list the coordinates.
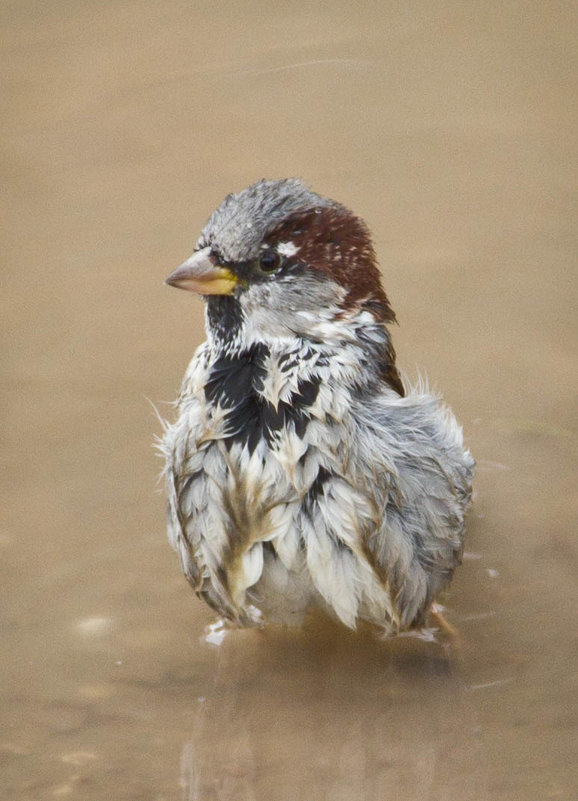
(237, 228)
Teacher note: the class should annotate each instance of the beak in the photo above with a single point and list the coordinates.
(201, 274)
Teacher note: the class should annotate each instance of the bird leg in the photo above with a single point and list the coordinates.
(437, 614)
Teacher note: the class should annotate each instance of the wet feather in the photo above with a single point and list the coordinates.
(300, 469)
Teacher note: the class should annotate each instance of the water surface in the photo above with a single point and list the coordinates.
(451, 128)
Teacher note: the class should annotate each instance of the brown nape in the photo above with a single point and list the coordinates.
(334, 241)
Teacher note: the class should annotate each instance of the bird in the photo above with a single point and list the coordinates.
(302, 470)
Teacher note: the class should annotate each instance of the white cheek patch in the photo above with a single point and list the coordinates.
(287, 249)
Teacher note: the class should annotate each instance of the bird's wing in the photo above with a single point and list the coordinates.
(190, 473)
(413, 451)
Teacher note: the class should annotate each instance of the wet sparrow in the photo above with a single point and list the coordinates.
(301, 469)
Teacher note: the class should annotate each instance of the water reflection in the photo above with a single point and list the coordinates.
(323, 714)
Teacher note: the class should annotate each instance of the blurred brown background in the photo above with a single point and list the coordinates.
(451, 128)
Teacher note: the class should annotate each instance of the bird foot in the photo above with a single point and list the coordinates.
(437, 614)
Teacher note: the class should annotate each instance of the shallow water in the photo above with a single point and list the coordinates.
(452, 129)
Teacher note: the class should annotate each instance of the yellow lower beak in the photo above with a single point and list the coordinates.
(200, 274)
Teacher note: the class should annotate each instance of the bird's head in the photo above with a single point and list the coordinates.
(280, 260)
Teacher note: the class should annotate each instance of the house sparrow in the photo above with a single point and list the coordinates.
(301, 469)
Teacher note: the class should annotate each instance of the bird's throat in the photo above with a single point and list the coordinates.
(224, 317)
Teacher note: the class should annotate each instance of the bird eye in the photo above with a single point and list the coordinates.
(270, 261)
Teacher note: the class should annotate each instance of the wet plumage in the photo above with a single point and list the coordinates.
(300, 469)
